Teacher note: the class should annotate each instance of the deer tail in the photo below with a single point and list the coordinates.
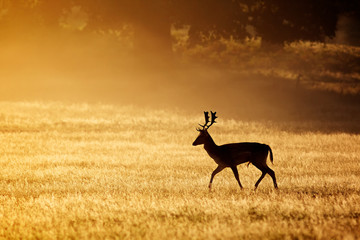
(271, 155)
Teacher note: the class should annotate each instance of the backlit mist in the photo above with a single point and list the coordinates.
(188, 55)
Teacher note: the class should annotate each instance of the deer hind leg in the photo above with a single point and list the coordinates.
(216, 171)
(266, 170)
(272, 174)
(259, 161)
(261, 178)
(236, 174)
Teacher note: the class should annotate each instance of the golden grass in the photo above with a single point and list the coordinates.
(108, 172)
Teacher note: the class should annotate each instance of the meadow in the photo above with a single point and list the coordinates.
(100, 171)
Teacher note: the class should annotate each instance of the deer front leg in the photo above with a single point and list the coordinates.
(216, 171)
(236, 174)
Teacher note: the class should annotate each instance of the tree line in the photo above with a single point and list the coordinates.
(275, 21)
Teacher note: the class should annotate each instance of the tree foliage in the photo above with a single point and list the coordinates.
(273, 20)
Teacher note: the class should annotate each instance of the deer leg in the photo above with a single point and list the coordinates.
(216, 171)
(236, 174)
(261, 178)
(272, 174)
(266, 170)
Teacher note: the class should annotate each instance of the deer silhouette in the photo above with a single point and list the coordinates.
(233, 154)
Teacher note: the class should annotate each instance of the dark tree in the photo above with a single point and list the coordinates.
(279, 21)
(274, 20)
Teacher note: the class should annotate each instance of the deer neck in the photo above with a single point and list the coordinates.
(210, 146)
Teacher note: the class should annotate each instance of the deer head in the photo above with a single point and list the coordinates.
(204, 135)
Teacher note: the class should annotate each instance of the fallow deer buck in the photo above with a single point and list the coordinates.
(233, 154)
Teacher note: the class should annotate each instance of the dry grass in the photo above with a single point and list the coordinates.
(98, 171)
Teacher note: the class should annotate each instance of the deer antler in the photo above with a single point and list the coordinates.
(206, 120)
(213, 117)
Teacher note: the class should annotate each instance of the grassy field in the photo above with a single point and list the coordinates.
(80, 171)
